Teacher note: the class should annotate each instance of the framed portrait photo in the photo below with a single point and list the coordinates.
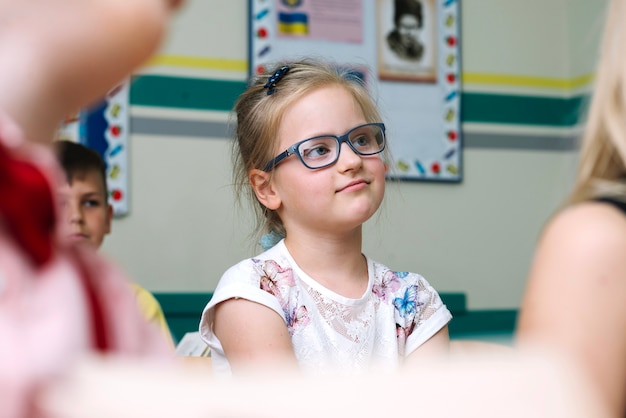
(407, 40)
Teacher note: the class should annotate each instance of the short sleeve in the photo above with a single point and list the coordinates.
(240, 281)
(432, 316)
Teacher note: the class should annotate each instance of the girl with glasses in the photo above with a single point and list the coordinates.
(309, 151)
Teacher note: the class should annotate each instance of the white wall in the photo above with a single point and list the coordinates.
(475, 237)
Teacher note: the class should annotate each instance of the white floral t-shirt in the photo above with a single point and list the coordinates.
(398, 312)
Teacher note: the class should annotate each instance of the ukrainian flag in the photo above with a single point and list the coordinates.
(293, 23)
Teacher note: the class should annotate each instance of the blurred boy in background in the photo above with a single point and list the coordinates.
(88, 215)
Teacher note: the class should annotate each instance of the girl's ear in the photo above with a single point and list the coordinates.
(264, 189)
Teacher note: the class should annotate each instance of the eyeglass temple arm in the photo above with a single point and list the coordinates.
(279, 158)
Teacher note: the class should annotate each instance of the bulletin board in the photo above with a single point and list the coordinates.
(105, 127)
(408, 52)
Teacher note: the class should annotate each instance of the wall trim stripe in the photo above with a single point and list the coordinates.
(200, 62)
(185, 92)
(528, 81)
(179, 128)
(521, 110)
(519, 142)
(523, 130)
(180, 114)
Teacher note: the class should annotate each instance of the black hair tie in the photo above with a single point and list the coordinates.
(275, 78)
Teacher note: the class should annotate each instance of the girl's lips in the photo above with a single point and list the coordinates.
(353, 186)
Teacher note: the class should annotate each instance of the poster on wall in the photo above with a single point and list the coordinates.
(408, 53)
(105, 128)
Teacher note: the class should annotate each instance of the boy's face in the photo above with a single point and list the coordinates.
(85, 210)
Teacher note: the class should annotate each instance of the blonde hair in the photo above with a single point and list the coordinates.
(602, 164)
(259, 116)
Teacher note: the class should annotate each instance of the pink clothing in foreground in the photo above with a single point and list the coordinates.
(57, 302)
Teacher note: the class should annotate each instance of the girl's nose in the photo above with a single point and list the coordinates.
(348, 159)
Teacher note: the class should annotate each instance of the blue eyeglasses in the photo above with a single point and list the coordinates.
(323, 151)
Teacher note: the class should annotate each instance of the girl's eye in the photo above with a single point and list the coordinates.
(318, 151)
(361, 141)
(317, 148)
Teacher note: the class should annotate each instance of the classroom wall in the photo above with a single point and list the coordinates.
(184, 228)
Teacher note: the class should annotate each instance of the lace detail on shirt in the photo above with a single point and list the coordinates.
(350, 321)
(429, 300)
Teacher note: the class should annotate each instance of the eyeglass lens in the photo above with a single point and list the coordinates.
(324, 150)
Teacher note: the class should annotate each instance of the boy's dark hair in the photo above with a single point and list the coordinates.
(77, 160)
